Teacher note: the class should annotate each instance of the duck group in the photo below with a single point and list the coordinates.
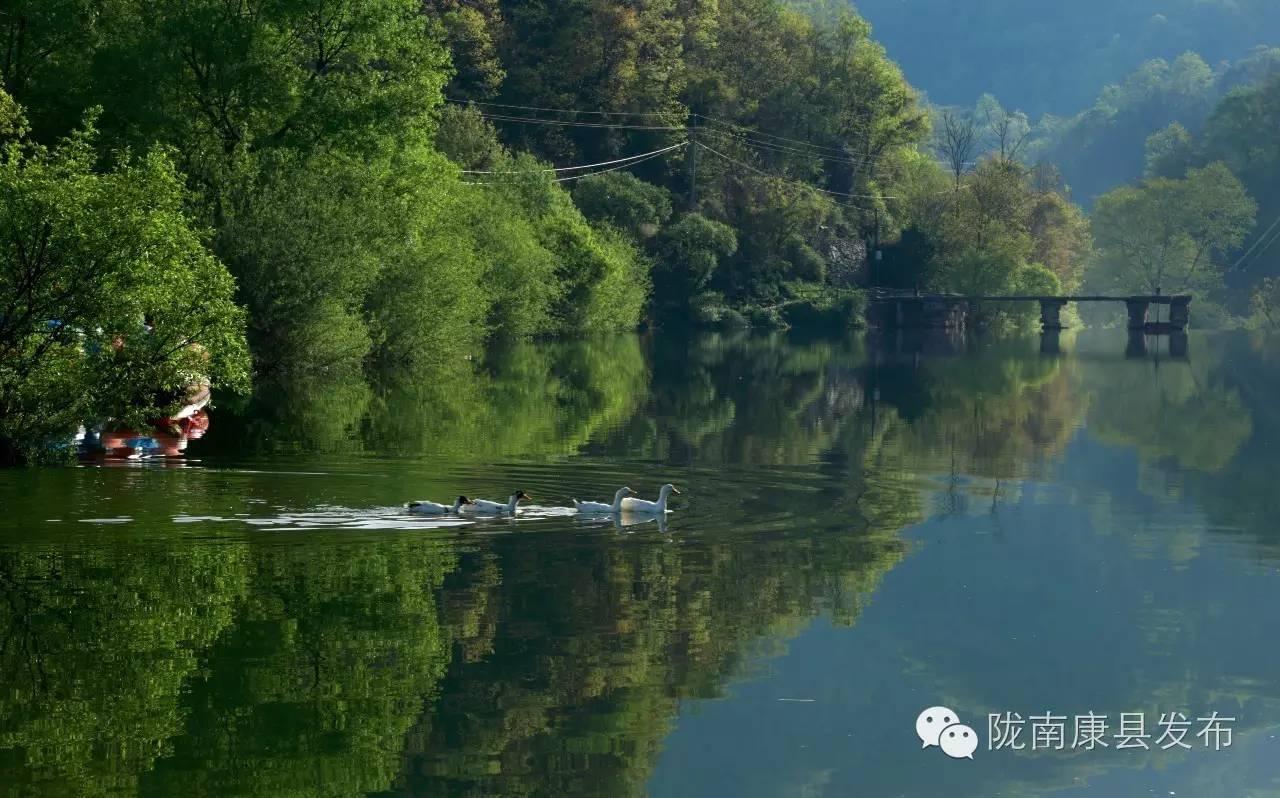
(624, 502)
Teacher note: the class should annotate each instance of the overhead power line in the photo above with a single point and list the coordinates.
(1266, 248)
(566, 123)
(573, 168)
(728, 131)
(772, 147)
(671, 128)
(789, 180)
(561, 110)
(750, 132)
(783, 148)
(1258, 242)
(813, 187)
(836, 151)
(629, 163)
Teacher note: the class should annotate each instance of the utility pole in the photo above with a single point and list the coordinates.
(691, 162)
(873, 257)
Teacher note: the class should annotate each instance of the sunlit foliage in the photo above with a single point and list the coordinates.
(110, 305)
(1170, 236)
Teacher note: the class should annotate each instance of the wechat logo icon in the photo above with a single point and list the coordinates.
(941, 727)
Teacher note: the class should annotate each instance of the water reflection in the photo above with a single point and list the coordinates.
(164, 442)
(872, 528)
(524, 400)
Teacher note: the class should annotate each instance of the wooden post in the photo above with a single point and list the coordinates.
(1180, 313)
(1137, 313)
(691, 163)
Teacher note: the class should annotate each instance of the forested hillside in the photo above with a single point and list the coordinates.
(1054, 57)
(1106, 144)
(1174, 155)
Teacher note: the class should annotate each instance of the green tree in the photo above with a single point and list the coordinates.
(624, 201)
(1168, 152)
(261, 105)
(1061, 236)
(298, 243)
(688, 254)
(1237, 135)
(48, 47)
(1265, 303)
(1167, 236)
(599, 55)
(112, 307)
(475, 31)
(465, 137)
(525, 229)
(222, 85)
(999, 233)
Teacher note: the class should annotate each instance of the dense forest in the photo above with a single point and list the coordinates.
(243, 190)
(212, 193)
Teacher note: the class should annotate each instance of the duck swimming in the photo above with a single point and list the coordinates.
(433, 508)
(601, 507)
(657, 508)
(486, 507)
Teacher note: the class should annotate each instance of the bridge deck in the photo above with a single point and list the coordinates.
(1153, 300)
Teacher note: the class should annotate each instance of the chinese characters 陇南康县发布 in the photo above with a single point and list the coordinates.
(1048, 731)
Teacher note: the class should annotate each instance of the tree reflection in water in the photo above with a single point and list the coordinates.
(237, 663)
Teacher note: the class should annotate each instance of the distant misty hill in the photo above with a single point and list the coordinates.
(1053, 56)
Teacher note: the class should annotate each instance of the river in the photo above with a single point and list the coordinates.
(867, 529)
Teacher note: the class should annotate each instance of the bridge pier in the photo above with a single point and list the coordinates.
(1051, 313)
(1137, 346)
(956, 312)
(1051, 341)
(1140, 347)
(1137, 313)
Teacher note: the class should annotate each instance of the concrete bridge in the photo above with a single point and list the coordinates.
(952, 311)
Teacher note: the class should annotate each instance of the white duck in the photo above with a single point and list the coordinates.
(433, 508)
(486, 507)
(657, 508)
(601, 507)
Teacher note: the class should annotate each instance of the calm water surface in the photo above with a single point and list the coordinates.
(867, 530)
